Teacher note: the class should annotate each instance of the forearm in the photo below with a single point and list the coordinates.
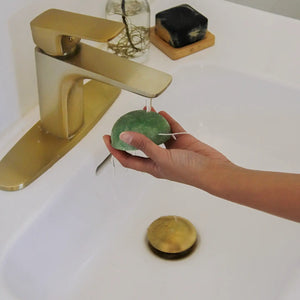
(272, 192)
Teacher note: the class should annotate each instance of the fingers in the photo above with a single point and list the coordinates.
(152, 108)
(130, 161)
(136, 140)
(137, 163)
(119, 155)
(141, 142)
(175, 126)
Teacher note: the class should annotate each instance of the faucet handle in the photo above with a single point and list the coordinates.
(58, 32)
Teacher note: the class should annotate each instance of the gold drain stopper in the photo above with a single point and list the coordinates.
(172, 237)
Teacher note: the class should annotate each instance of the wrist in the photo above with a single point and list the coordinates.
(221, 178)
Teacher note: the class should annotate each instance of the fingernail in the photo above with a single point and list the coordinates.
(126, 137)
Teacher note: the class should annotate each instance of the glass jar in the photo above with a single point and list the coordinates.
(134, 41)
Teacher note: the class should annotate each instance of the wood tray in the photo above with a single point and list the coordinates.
(176, 53)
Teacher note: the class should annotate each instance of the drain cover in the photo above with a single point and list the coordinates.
(172, 237)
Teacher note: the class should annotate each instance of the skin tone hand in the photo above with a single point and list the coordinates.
(183, 160)
(187, 160)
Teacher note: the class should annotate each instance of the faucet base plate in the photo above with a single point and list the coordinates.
(38, 150)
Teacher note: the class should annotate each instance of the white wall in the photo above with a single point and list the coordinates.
(18, 89)
(289, 8)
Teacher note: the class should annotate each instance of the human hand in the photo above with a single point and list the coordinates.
(186, 159)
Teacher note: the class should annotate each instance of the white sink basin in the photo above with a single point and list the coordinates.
(89, 241)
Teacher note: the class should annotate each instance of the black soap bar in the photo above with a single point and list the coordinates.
(180, 25)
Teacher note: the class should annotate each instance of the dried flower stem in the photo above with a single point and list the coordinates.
(126, 25)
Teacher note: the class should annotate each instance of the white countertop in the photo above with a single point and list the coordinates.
(248, 40)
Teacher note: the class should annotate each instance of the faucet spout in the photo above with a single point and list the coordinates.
(121, 72)
(69, 109)
(60, 84)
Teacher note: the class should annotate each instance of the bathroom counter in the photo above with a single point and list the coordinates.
(249, 41)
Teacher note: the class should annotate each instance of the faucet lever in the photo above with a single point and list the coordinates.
(70, 108)
(58, 32)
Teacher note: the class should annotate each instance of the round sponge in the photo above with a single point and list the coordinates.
(151, 124)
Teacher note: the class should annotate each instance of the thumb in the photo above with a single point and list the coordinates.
(141, 142)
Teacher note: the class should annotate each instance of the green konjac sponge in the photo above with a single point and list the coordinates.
(180, 25)
(148, 123)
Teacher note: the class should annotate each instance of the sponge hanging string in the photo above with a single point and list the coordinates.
(173, 134)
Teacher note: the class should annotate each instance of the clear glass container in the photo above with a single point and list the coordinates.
(133, 42)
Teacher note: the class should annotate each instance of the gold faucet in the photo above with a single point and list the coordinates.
(69, 108)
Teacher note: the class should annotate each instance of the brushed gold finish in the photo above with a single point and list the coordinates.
(58, 32)
(68, 108)
(60, 84)
(172, 236)
(38, 150)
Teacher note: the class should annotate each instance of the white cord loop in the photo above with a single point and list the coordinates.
(173, 134)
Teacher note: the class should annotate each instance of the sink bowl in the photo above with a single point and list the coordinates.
(89, 242)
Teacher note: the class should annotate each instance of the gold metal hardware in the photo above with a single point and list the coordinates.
(38, 150)
(68, 107)
(58, 32)
(60, 84)
(172, 237)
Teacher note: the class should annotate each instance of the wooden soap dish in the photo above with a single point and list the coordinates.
(176, 53)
